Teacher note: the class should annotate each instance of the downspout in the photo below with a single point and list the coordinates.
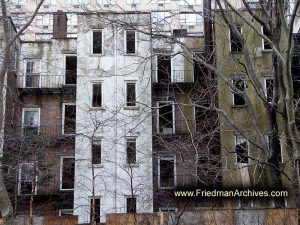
(116, 119)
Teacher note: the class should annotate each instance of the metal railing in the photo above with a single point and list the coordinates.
(44, 81)
(176, 76)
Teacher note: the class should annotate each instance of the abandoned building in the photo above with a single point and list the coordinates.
(108, 109)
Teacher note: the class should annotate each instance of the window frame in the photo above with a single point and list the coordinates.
(197, 22)
(136, 203)
(164, 20)
(126, 93)
(233, 94)
(107, 2)
(92, 94)
(173, 115)
(19, 178)
(70, 17)
(230, 34)
(61, 173)
(37, 74)
(63, 117)
(38, 109)
(96, 139)
(19, 2)
(166, 158)
(132, 2)
(135, 42)
(65, 67)
(127, 140)
(171, 66)
(92, 41)
(263, 42)
(236, 154)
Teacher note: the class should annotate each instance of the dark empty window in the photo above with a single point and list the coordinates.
(235, 44)
(164, 68)
(166, 173)
(95, 210)
(165, 118)
(130, 41)
(97, 95)
(131, 205)
(97, 42)
(199, 69)
(70, 119)
(131, 151)
(96, 151)
(68, 170)
(269, 89)
(71, 69)
(32, 74)
(278, 143)
(130, 92)
(241, 148)
(25, 178)
(238, 99)
(266, 45)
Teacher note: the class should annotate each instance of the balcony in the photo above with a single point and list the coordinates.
(41, 83)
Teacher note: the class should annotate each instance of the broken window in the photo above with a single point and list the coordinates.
(97, 95)
(26, 174)
(95, 209)
(241, 148)
(131, 204)
(266, 45)
(31, 121)
(71, 69)
(235, 44)
(131, 151)
(269, 89)
(166, 172)
(69, 119)
(163, 68)
(165, 118)
(130, 41)
(238, 99)
(67, 173)
(97, 42)
(32, 74)
(96, 151)
(130, 94)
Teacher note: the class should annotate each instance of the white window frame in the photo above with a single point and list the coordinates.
(92, 83)
(230, 38)
(173, 114)
(65, 211)
(263, 42)
(169, 158)
(131, 82)
(61, 172)
(135, 42)
(63, 117)
(92, 41)
(30, 110)
(161, 19)
(43, 37)
(125, 202)
(90, 206)
(25, 68)
(18, 19)
(183, 19)
(65, 67)
(281, 150)
(245, 88)
(19, 2)
(42, 20)
(236, 154)
(19, 178)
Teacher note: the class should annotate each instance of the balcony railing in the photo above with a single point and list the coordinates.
(44, 81)
(176, 76)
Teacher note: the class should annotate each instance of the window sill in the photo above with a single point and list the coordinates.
(66, 189)
(131, 107)
(131, 54)
(97, 166)
(97, 109)
(132, 165)
(96, 55)
(239, 106)
(236, 53)
(267, 50)
(166, 188)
